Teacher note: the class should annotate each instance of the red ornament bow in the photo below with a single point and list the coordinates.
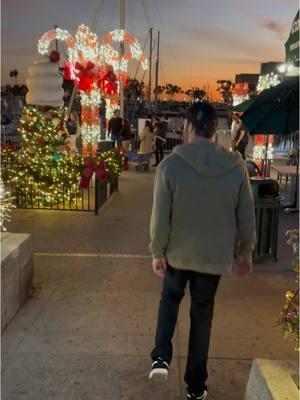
(83, 75)
(108, 80)
(90, 166)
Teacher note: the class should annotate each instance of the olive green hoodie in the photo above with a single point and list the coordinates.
(202, 203)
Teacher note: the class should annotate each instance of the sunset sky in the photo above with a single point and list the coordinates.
(201, 40)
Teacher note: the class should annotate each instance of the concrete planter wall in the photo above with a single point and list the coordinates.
(16, 274)
(272, 380)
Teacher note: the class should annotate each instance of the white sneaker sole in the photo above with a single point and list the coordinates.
(205, 394)
(159, 374)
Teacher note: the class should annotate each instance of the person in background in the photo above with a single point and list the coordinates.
(73, 128)
(202, 201)
(160, 134)
(146, 138)
(239, 135)
(115, 128)
(126, 134)
(72, 124)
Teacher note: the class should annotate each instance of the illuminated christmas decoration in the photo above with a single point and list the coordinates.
(239, 99)
(112, 57)
(240, 93)
(259, 150)
(105, 165)
(91, 67)
(87, 68)
(267, 81)
(6, 205)
(43, 171)
(58, 34)
(111, 106)
(82, 68)
(289, 320)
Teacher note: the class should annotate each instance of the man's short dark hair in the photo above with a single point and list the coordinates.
(202, 116)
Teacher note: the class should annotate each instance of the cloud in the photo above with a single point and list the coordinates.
(274, 27)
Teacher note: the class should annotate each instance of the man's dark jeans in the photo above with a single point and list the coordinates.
(203, 289)
(159, 151)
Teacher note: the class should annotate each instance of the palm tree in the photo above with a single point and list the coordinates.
(135, 90)
(172, 90)
(225, 89)
(196, 94)
(16, 73)
(160, 90)
(12, 74)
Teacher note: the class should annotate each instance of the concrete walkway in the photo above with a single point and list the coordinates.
(87, 331)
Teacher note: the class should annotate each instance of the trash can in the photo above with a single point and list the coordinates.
(267, 206)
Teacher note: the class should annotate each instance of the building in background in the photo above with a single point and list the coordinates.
(270, 67)
(251, 79)
(292, 48)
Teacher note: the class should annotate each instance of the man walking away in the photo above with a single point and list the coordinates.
(126, 134)
(240, 136)
(160, 132)
(202, 203)
(115, 128)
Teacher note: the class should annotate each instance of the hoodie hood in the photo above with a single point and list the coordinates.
(207, 158)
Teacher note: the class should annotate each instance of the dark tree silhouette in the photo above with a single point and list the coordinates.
(225, 90)
(196, 94)
(171, 90)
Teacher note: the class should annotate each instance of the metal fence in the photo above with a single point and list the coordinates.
(222, 138)
(171, 142)
(27, 196)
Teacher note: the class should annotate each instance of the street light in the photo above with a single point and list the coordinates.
(282, 68)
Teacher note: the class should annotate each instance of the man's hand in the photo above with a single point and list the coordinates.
(159, 266)
(242, 265)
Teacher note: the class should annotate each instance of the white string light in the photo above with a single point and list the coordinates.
(267, 81)
(6, 206)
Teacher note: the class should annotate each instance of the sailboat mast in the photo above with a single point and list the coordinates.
(157, 65)
(122, 26)
(150, 65)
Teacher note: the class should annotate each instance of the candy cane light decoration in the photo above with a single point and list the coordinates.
(82, 67)
(121, 64)
(111, 56)
(87, 66)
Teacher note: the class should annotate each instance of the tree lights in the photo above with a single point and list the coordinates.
(43, 171)
(267, 81)
(6, 205)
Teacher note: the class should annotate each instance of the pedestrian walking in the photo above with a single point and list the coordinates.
(160, 134)
(146, 141)
(202, 214)
(240, 135)
(126, 134)
(115, 128)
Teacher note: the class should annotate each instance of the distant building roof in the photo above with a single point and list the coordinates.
(292, 45)
(269, 67)
(247, 78)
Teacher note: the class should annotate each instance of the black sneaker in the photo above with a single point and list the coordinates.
(191, 396)
(160, 368)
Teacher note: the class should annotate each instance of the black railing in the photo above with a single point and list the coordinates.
(28, 196)
(103, 191)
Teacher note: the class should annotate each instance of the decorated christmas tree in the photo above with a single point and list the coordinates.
(44, 172)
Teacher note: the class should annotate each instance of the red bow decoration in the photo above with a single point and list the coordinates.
(90, 166)
(83, 76)
(125, 164)
(259, 140)
(108, 80)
